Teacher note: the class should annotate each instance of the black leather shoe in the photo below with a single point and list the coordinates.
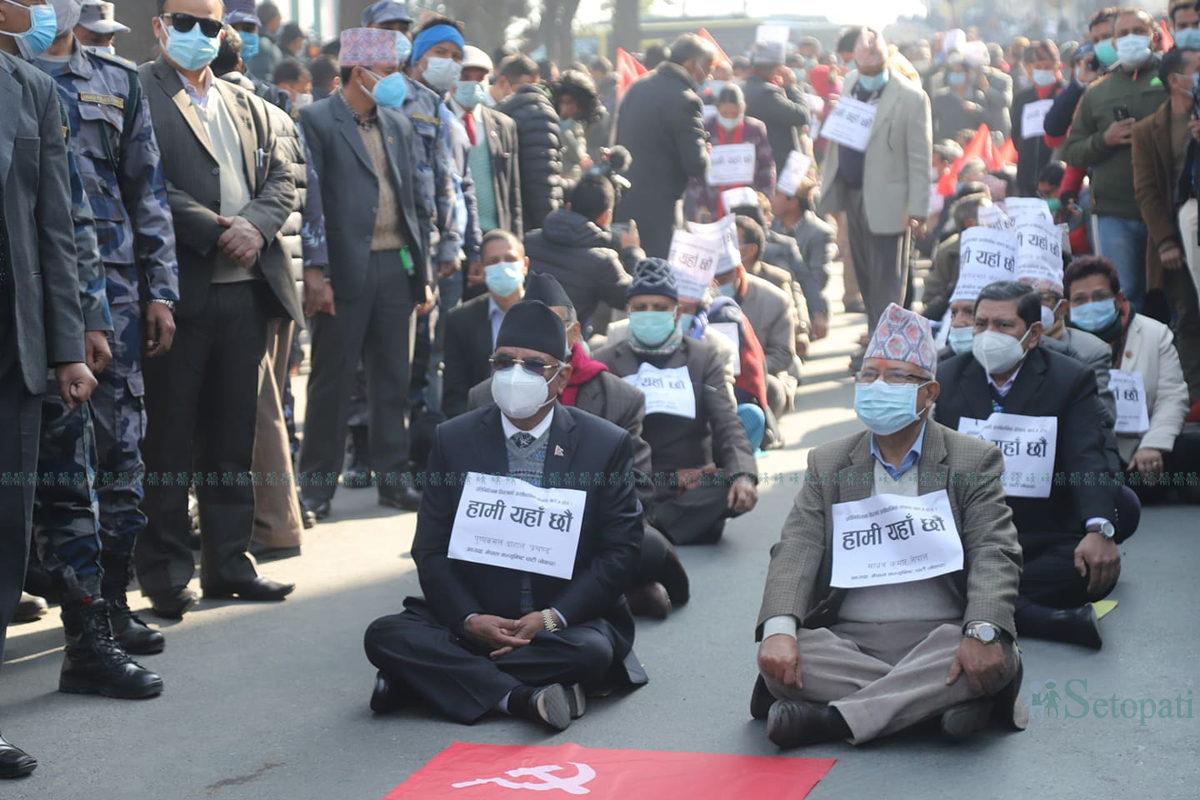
(1076, 626)
(307, 518)
(30, 609)
(576, 700)
(258, 588)
(15, 762)
(173, 604)
(405, 498)
(318, 508)
(358, 474)
(94, 663)
(134, 636)
(550, 705)
(794, 723)
(761, 699)
(386, 696)
(649, 600)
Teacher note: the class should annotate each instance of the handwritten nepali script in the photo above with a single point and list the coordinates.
(507, 522)
(892, 538)
(849, 124)
(1033, 118)
(1129, 389)
(667, 391)
(985, 255)
(694, 259)
(1028, 445)
(731, 165)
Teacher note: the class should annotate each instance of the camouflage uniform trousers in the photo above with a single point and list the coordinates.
(120, 420)
(66, 509)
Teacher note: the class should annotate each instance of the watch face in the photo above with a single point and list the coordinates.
(987, 633)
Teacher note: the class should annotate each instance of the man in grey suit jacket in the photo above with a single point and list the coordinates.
(375, 222)
(230, 195)
(865, 655)
(41, 323)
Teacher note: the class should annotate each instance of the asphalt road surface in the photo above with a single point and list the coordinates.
(267, 702)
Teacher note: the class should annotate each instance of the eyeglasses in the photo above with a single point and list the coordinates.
(185, 22)
(536, 366)
(893, 377)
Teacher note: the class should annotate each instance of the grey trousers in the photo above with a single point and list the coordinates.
(377, 326)
(883, 677)
(277, 520)
(880, 261)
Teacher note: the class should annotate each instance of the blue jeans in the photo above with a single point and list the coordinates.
(1123, 241)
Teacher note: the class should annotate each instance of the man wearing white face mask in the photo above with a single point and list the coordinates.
(1066, 528)
(489, 637)
(847, 655)
(1100, 139)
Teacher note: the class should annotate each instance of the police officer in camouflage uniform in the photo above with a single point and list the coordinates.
(118, 159)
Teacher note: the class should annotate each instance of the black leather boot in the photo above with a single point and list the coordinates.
(358, 474)
(94, 663)
(134, 636)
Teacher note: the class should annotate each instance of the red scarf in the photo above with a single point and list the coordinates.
(583, 369)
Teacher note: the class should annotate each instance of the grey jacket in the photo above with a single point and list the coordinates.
(817, 242)
(37, 222)
(773, 318)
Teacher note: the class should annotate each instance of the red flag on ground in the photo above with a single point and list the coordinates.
(1168, 41)
(1008, 153)
(704, 34)
(471, 771)
(629, 69)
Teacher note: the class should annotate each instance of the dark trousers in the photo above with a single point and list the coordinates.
(20, 416)
(1049, 577)
(695, 517)
(376, 326)
(880, 261)
(202, 406)
(459, 679)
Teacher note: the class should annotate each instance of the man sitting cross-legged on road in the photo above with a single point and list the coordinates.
(889, 598)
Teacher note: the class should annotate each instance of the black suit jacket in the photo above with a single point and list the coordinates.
(1048, 385)
(350, 191)
(609, 543)
(468, 348)
(194, 185)
(38, 230)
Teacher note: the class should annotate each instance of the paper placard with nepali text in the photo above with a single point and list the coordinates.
(1033, 118)
(1028, 445)
(731, 332)
(1020, 208)
(984, 257)
(667, 391)
(507, 522)
(794, 170)
(693, 259)
(995, 218)
(1039, 250)
(723, 230)
(731, 165)
(849, 124)
(1129, 389)
(736, 198)
(894, 538)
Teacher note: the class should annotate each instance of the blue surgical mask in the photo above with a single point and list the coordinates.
(1106, 54)
(1045, 77)
(504, 278)
(727, 289)
(960, 339)
(730, 124)
(873, 83)
(469, 94)
(43, 25)
(956, 78)
(651, 328)
(1094, 317)
(192, 50)
(1188, 39)
(885, 408)
(1133, 50)
(391, 91)
(442, 73)
(249, 46)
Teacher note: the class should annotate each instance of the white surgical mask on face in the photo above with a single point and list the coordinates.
(998, 352)
(519, 393)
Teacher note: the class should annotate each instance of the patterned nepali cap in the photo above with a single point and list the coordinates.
(904, 336)
(654, 276)
(366, 47)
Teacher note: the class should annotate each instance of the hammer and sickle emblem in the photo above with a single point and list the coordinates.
(549, 782)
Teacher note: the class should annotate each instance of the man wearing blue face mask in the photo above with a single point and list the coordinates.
(1100, 137)
(1091, 61)
(849, 652)
(959, 104)
(472, 328)
(1042, 63)
(1067, 528)
(378, 274)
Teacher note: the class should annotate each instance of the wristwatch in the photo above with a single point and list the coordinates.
(1104, 528)
(984, 632)
(170, 304)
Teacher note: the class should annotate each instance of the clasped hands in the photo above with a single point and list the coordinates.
(504, 636)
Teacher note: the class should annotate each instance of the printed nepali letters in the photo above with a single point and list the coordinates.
(731, 165)
(849, 124)
(1028, 445)
(667, 391)
(892, 538)
(1129, 389)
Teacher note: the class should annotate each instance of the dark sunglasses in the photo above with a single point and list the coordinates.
(536, 366)
(185, 22)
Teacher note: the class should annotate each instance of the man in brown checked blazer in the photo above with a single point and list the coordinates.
(878, 656)
(230, 194)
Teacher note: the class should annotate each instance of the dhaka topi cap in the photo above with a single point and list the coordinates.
(238, 11)
(431, 37)
(654, 276)
(531, 324)
(385, 11)
(545, 288)
(904, 336)
(367, 47)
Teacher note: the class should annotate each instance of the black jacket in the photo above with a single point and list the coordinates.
(1033, 153)
(1058, 118)
(468, 348)
(606, 563)
(540, 152)
(782, 115)
(579, 254)
(1048, 385)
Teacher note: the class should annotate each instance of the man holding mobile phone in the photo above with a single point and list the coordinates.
(1100, 140)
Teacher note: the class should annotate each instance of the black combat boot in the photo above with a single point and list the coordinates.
(134, 636)
(94, 663)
